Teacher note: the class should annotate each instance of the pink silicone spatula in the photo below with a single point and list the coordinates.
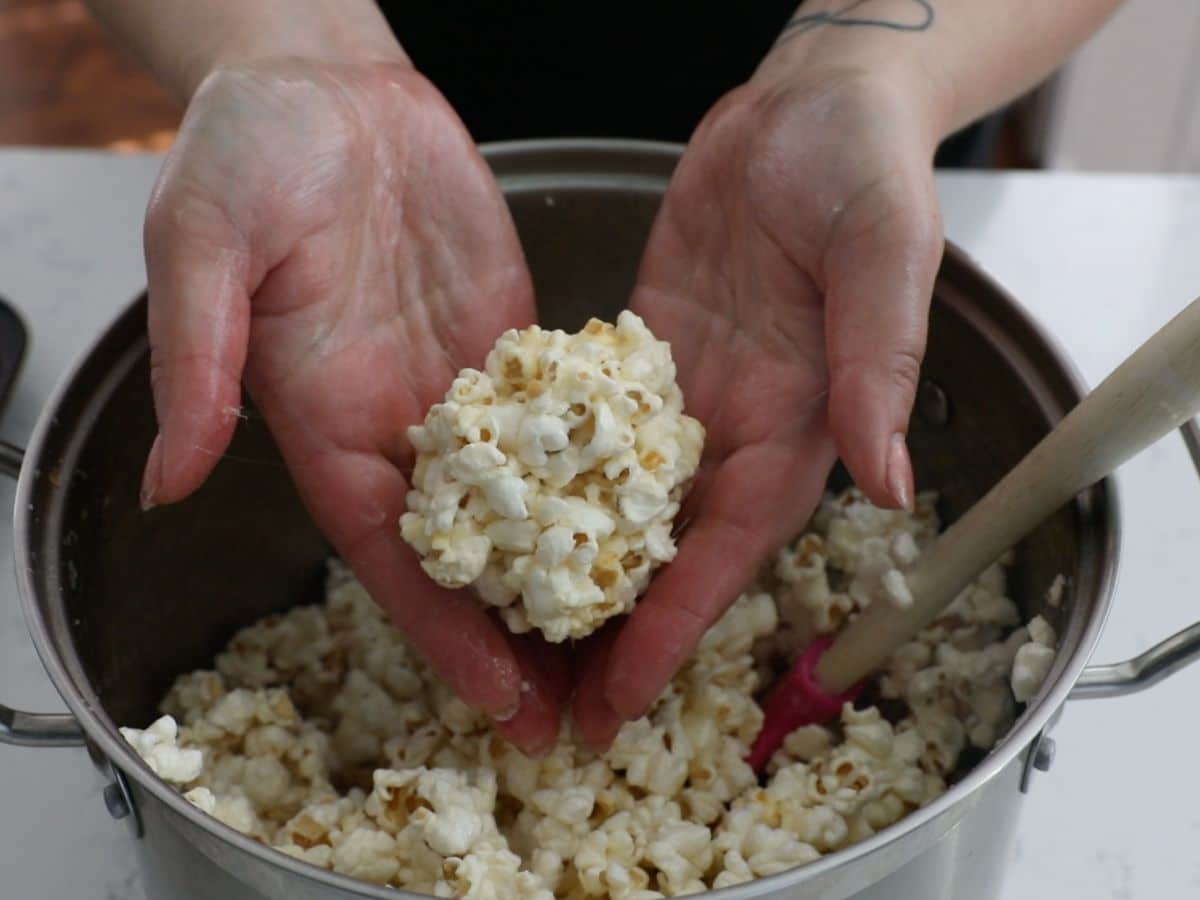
(1153, 392)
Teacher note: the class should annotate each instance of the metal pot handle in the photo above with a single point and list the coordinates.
(39, 729)
(33, 729)
(1164, 658)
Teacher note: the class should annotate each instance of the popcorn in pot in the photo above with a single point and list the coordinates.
(325, 735)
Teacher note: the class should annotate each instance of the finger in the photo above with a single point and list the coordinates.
(357, 498)
(199, 313)
(551, 662)
(879, 278)
(597, 721)
(449, 628)
(545, 690)
(760, 497)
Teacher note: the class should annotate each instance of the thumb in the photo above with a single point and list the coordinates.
(879, 279)
(199, 318)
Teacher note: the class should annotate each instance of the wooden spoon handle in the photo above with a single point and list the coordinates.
(1153, 392)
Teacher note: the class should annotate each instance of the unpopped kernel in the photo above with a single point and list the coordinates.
(324, 735)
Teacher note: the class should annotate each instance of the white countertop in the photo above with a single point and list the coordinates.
(1103, 261)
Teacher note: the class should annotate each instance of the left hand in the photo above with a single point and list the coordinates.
(328, 233)
(790, 268)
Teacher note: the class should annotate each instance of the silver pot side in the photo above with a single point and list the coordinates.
(112, 635)
(967, 860)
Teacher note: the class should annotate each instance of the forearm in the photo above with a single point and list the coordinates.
(181, 41)
(966, 57)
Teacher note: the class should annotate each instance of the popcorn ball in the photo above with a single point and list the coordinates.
(550, 480)
(323, 734)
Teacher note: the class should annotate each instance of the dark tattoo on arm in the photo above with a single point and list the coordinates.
(846, 17)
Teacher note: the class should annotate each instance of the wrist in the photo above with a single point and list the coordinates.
(249, 33)
(900, 62)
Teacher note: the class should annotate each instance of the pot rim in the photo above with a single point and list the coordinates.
(102, 732)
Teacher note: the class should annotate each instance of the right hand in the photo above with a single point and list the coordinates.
(790, 268)
(329, 234)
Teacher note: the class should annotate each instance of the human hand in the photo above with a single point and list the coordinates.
(330, 234)
(790, 268)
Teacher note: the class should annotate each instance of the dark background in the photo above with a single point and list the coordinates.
(64, 83)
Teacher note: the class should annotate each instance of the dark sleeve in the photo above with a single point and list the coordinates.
(541, 69)
(648, 70)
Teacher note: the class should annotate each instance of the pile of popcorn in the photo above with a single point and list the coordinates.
(550, 480)
(323, 734)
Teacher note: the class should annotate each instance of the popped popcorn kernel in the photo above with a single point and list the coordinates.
(366, 854)
(157, 746)
(1032, 661)
(550, 480)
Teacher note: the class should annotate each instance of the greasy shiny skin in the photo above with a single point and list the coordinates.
(330, 233)
(791, 275)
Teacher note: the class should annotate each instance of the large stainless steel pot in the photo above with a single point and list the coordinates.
(119, 602)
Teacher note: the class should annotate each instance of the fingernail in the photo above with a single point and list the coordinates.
(508, 713)
(624, 704)
(900, 473)
(599, 747)
(153, 475)
(600, 744)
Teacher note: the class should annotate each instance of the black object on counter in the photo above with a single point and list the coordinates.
(12, 348)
